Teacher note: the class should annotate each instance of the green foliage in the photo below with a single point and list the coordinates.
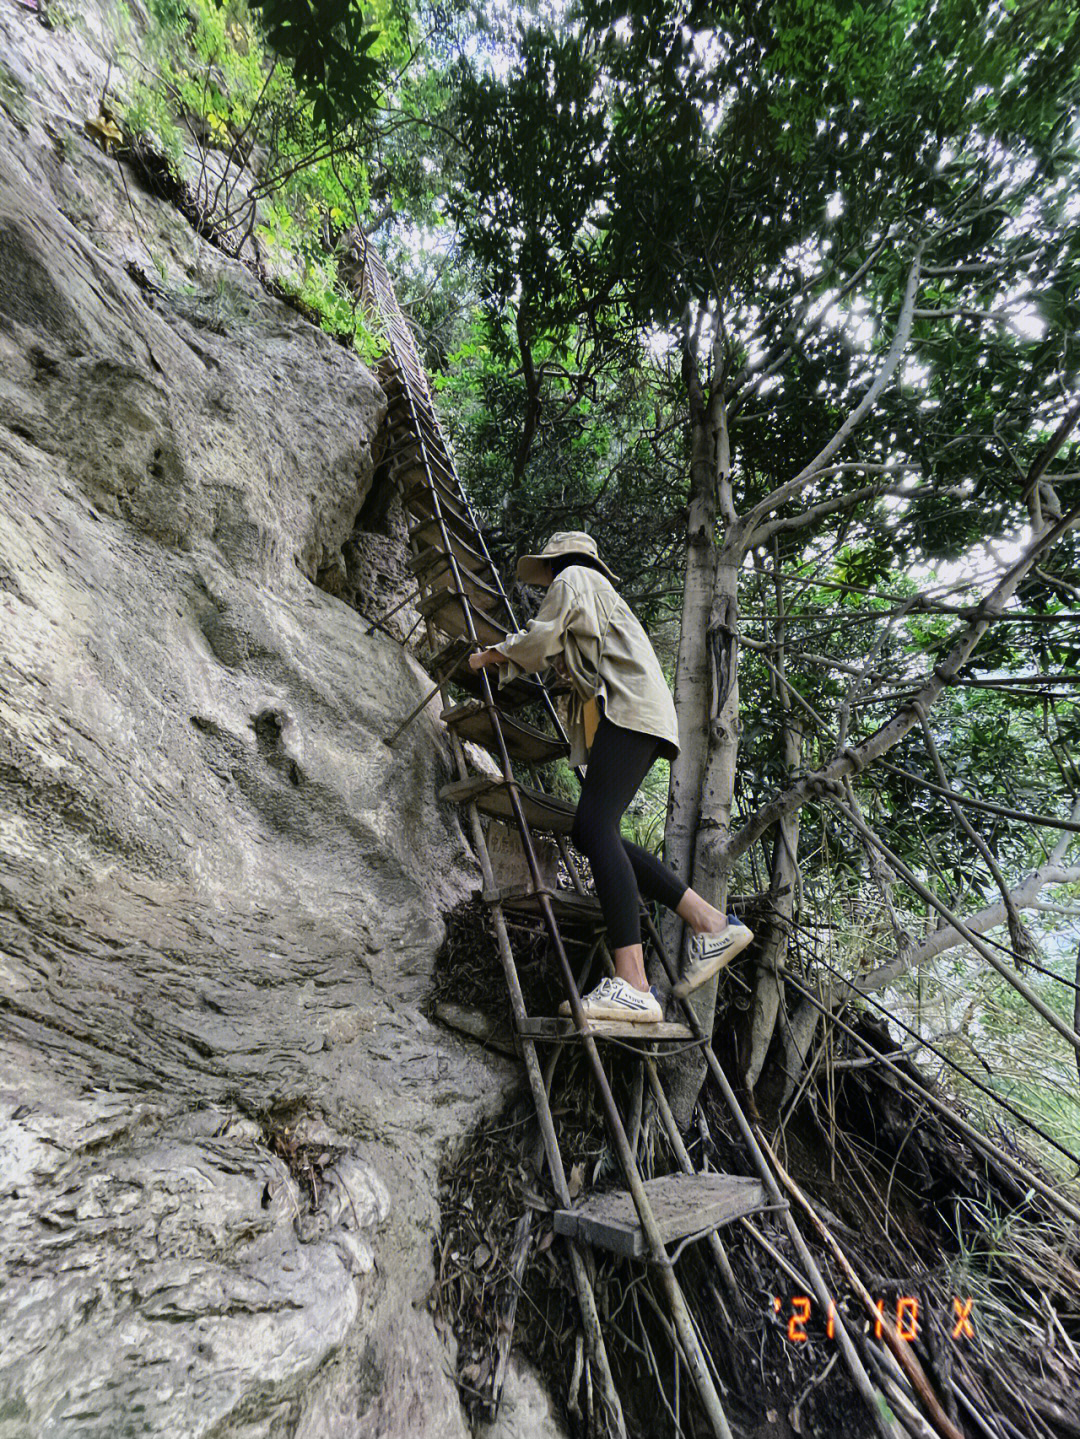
(169, 14)
(329, 43)
(294, 148)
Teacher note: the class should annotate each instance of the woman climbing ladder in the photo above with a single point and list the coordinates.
(621, 718)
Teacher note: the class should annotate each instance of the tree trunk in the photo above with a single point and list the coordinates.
(685, 1072)
(692, 666)
(768, 981)
(532, 397)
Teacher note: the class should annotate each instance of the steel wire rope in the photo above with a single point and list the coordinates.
(928, 1044)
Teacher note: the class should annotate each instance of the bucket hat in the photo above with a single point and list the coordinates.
(530, 568)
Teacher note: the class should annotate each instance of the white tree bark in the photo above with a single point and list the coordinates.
(1024, 896)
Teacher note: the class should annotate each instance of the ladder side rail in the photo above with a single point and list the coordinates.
(681, 1317)
(578, 1268)
(680, 1313)
(369, 257)
(682, 1154)
(671, 1128)
(371, 280)
(582, 1283)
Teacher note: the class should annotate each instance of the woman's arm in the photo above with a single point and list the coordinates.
(541, 641)
(479, 658)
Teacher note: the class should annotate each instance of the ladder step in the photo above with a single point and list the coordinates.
(569, 906)
(523, 741)
(464, 529)
(441, 577)
(417, 487)
(545, 1028)
(432, 554)
(520, 691)
(682, 1203)
(428, 536)
(409, 412)
(542, 811)
(446, 611)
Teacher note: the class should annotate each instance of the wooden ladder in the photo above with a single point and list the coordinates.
(462, 599)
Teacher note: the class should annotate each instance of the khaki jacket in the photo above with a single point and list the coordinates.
(606, 653)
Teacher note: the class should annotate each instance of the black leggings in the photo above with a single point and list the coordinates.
(618, 761)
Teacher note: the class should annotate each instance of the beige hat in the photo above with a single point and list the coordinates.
(530, 568)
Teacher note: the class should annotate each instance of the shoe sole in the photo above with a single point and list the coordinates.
(632, 1016)
(713, 965)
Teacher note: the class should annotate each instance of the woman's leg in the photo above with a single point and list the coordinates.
(656, 881)
(618, 762)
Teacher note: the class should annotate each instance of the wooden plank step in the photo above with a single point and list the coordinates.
(406, 436)
(464, 530)
(665, 1030)
(431, 558)
(542, 811)
(569, 906)
(447, 612)
(441, 577)
(428, 538)
(409, 436)
(682, 1203)
(518, 692)
(417, 496)
(410, 410)
(523, 741)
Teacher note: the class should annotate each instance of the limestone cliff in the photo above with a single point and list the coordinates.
(220, 891)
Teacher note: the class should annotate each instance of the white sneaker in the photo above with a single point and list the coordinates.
(616, 999)
(710, 952)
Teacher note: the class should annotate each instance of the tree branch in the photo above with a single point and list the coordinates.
(885, 373)
(969, 802)
(1022, 943)
(785, 524)
(856, 758)
(962, 929)
(1024, 896)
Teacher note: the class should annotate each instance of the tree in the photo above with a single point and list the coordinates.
(838, 213)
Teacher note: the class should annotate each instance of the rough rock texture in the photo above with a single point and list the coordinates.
(526, 1411)
(220, 892)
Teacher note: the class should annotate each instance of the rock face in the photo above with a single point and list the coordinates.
(220, 891)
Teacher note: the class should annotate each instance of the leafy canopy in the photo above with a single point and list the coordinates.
(329, 43)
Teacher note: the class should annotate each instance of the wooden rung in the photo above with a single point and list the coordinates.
(406, 436)
(464, 530)
(544, 1028)
(442, 578)
(428, 537)
(414, 477)
(417, 496)
(524, 742)
(433, 561)
(520, 691)
(446, 611)
(413, 411)
(514, 694)
(682, 1203)
(432, 570)
(569, 906)
(542, 811)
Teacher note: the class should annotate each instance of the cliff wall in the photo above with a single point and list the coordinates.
(220, 892)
